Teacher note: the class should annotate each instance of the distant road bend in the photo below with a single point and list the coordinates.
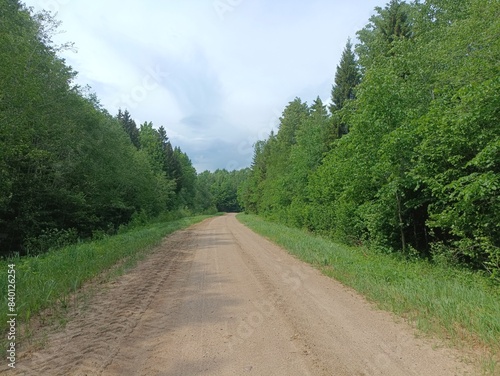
(217, 299)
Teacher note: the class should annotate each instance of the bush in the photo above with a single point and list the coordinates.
(50, 239)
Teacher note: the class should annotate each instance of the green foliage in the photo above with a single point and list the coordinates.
(50, 239)
(305, 157)
(220, 189)
(155, 148)
(249, 193)
(186, 181)
(272, 184)
(347, 77)
(457, 159)
(129, 127)
(418, 172)
(66, 165)
(388, 26)
(466, 186)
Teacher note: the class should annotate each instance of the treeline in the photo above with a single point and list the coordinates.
(68, 169)
(220, 188)
(407, 158)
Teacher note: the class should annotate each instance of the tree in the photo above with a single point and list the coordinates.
(395, 22)
(171, 164)
(152, 143)
(457, 161)
(275, 200)
(225, 189)
(250, 192)
(187, 180)
(293, 116)
(418, 172)
(205, 202)
(35, 89)
(347, 77)
(68, 168)
(129, 126)
(305, 157)
(389, 25)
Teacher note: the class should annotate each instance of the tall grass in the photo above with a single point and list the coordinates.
(458, 305)
(49, 279)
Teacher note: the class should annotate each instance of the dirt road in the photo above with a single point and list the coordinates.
(217, 299)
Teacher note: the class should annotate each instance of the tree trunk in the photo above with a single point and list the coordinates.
(400, 217)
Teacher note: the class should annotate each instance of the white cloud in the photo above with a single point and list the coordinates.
(215, 73)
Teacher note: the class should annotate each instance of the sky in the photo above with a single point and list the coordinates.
(216, 74)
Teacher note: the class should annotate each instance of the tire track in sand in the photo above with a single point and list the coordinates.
(217, 299)
(93, 337)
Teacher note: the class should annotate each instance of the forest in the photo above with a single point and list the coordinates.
(69, 170)
(405, 158)
(391, 186)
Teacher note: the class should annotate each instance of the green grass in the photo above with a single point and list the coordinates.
(457, 305)
(49, 280)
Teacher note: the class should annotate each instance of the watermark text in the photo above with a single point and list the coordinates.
(11, 315)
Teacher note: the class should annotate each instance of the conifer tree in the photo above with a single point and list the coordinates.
(347, 77)
(130, 127)
(391, 24)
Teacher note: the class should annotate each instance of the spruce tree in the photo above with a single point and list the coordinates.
(389, 25)
(347, 77)
(130, 127)
(394, 23)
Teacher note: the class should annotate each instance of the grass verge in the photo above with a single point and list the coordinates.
(456, 305)
(52, 278)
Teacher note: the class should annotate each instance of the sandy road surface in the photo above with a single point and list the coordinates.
(217, 299)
